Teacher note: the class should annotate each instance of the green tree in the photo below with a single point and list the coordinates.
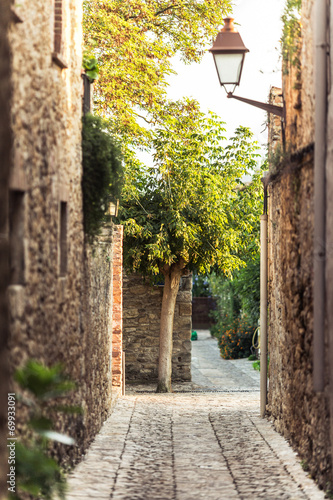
(187, 212)
(134, 42)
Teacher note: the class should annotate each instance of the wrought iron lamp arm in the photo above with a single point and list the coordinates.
(270, 108)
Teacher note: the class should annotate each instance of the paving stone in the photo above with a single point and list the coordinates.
(193, 445)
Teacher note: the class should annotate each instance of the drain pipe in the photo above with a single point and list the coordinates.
(263, 304)
(320, 72)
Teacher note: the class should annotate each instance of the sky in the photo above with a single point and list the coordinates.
(259, 23)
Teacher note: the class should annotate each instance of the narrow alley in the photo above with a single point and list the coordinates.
(205, 440)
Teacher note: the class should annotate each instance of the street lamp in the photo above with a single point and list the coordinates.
(229, 53)
(113, 208)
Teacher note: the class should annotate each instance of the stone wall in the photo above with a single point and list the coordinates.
(298, 87)
(141, 323)
(297, 411)
(5, 155)
(92, 343)
(60, 295)
(46, 292)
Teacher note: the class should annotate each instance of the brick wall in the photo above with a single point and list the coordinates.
(117, 324)
(141, 324)
(57, 25)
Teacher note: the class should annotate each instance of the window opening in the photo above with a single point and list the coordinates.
(57, 56)
(63, 238)
(16, 237)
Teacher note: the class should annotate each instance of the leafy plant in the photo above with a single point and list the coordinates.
(237, 297)
(305, 465)
(236, 342)
(90, 65)
(291, 34)
(36, 472)
(246, 286)
(256, 365)
(102, 173)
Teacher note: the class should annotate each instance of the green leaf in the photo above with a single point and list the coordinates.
(92, 74)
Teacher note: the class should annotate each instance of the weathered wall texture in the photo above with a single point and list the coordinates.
(275, 139)
(45, 304)
(61, 292)
(298, 87)
(297, 411)
(141, 323)
(94, 348)
(5, 155)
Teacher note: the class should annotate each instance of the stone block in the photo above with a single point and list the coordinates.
(185, 309)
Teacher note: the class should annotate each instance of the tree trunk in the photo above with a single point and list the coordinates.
(171, 286)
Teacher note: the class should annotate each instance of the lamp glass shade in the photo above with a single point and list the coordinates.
(229, 52)
(113, 208)
(229, 67)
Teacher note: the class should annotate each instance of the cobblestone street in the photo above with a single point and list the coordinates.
(193, 443)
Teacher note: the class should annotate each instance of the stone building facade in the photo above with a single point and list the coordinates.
(141, 327)
(5, 155)
(61, 289)
(297, 410)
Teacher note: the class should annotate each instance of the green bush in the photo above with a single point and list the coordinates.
(102, 173)
(237, 313)
(256, 365)
(236, 342)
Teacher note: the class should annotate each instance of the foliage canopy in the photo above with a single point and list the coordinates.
(134, 42)
(192, 206)
(291, 34)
